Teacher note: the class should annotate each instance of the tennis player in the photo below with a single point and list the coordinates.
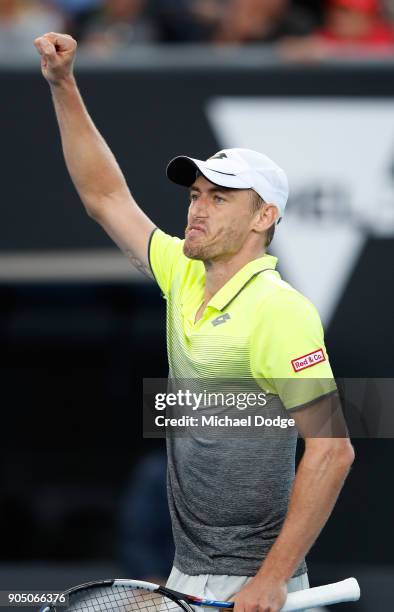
(242, 520)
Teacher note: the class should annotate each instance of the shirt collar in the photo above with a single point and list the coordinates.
(236, 284)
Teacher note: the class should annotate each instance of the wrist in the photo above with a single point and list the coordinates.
(269, 574)
(65, 83)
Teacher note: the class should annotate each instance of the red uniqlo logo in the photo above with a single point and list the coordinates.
(307, 361)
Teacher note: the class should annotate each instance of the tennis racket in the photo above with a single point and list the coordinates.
(138, 596)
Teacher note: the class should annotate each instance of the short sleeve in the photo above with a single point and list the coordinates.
(164, 253)
(288, 351)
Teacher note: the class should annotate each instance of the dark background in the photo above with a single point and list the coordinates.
(73, 353)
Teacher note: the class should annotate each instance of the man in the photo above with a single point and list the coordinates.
(242, 527)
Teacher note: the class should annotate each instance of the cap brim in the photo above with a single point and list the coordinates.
(182, 170)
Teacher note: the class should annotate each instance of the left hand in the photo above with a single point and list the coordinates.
(261, 595)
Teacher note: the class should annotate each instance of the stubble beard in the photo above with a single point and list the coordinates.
(208, 252)
(195, 251)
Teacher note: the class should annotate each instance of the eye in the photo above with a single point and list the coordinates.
(193, 197)
(219, 199)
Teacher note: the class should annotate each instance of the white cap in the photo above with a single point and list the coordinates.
(236, 169)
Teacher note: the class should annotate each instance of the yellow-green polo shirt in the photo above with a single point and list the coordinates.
(256, 326)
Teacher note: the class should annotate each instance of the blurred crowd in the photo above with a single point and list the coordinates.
(299, 29)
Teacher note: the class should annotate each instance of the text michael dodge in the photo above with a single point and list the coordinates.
(224, 421)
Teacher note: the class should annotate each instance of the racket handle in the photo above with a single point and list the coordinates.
(346, 590)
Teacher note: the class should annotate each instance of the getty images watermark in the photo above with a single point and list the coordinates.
(346, 407)
(206, 400)
(217, 407)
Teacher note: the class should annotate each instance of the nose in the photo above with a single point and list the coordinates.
(198, 207)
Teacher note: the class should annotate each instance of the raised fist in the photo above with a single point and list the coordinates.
(57, 56)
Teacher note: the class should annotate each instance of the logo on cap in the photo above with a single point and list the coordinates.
(219, 156)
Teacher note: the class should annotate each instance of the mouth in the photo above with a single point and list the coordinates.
(194, 230)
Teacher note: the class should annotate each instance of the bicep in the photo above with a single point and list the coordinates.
(130, 228)
(322, 418)
(323, 427)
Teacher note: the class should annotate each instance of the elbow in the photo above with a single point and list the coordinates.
(92, 213)
(95, 204)
(336, 452)
(343, 456)
(94, 210)
(351, 454)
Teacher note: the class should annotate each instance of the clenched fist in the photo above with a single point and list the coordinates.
(57, 56)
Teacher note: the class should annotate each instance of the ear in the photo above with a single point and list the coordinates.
(265, 217)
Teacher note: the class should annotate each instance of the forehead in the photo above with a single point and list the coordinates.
(204, 185)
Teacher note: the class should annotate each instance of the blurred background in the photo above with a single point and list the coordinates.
(82, 493)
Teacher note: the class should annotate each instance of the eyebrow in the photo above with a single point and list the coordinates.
(213, 189)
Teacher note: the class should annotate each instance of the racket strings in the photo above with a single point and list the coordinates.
(121, 599)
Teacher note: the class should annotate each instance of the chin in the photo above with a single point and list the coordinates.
(193, 251)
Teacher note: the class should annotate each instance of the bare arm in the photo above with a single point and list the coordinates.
(90, 162)
(319, 479)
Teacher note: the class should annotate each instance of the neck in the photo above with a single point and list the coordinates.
(219, 271)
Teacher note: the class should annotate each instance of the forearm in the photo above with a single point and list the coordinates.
(90, 162)
(319, 479)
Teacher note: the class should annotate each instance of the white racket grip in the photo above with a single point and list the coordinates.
(346, 590)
